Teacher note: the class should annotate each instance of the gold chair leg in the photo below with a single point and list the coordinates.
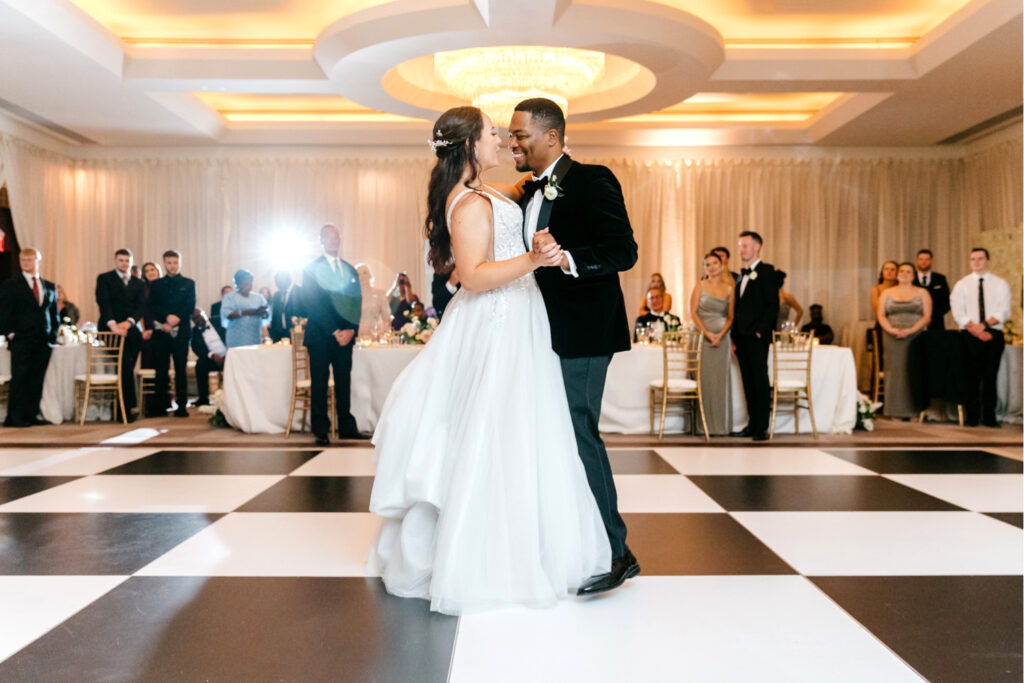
(85, 405)
(291, 416)
(810, 411)
(703, 420)
(796, 413)
(664, 409)
(650, 401)
(333, 407)
(120, 400)
(920, 418)
(775, 407)
(960, 413)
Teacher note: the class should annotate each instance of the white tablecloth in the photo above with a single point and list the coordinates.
(1009, 383)
(257, 384)
(58, 402)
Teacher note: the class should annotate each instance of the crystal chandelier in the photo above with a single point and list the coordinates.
(495, 79)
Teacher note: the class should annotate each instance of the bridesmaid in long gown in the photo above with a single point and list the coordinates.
(711, 306)
(903, 311)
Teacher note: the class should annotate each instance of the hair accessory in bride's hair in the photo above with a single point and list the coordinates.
(439, 143)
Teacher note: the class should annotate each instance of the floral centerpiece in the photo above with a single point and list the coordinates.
(216, 418)
(68, 333)
(417, 331)
(866, 409)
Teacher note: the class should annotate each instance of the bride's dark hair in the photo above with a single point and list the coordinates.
(454, 137)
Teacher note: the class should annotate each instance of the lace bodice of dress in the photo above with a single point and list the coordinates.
(508, 225)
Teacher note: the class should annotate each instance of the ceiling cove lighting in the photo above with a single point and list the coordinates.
(495, 79)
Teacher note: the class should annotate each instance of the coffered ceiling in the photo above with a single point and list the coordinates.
(675, 72)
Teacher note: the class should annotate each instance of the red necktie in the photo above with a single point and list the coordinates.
(35, 290)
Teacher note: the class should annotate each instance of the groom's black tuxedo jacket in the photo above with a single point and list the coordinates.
(588, 313)
(758, 309)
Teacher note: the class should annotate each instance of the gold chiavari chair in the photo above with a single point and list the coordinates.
(682, 352)
(145, 386)
(791, 375)
(102, 376)
(302, 397)
(877, 373)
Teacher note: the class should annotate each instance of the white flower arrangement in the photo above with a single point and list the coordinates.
(866, 410)
(217, 418)
(416, 331)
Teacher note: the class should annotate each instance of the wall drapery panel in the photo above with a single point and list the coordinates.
(829, 220)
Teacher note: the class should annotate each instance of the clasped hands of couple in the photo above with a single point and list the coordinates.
(546, 251)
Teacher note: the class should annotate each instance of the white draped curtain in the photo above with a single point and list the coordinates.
(829, 220)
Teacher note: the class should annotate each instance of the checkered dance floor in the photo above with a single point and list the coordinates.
(767, 564)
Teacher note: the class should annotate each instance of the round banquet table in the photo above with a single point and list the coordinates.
(257, 381)
(58, 401)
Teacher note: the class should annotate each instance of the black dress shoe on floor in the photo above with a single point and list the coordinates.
(991, 423)
(322, 440)
(16, 424)
(743, 433)
(623, 568)
(761, 436)
(180, 412)
(356, 436)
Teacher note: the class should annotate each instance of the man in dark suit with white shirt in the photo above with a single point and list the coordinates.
(937, 287)
(29, 322)
(122, 301)
(283, 306)
(756, 311)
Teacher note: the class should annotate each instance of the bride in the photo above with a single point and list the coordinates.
(484, 498)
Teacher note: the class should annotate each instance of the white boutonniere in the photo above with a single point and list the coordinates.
(553, 190)
(753, 275)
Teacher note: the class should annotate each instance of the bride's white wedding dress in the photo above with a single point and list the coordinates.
(485, 500)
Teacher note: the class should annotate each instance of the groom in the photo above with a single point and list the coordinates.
(581, 207)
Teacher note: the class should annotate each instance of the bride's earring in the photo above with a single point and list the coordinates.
(474, 153)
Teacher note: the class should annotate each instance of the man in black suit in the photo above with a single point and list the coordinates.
(756, 311)
(210, 352)
(580, 207)
(332, 301)
(122, 301)
(937, 287)
(172, 299)
(28, 319)
(723, 256)
(215, 320)
(656, 313)
(443, 288)
(283, 305)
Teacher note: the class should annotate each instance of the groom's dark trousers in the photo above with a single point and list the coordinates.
(587, 311)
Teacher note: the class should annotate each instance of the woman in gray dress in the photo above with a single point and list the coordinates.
(711, 306)
(903, 311)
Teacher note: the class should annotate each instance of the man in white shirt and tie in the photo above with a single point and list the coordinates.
(980, 303)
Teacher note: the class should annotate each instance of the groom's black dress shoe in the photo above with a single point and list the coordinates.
(761, 436)
(623, 568)
(745, 432)
(322, 440)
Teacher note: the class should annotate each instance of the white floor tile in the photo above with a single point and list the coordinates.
(147, 493)
(889, 543)
(671, 629)
(32, 605)
(275, 544)
(661, 493)
(757, 461)
(40, 462)
(980, 492)
(340, 462)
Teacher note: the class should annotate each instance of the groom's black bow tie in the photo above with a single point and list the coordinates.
(746, 271)
(531, 186)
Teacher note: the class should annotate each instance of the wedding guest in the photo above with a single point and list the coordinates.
(67, 311)
(172, 299)
(443, 287)
(136, 271)
(886, 279)
(723, 254)
(215, 319)
(283, 306)
(656, 282)
(656, 313)
(151, 272)
(981, 304)
(265, 293)
(903, 311)
(937, 287)
(822, 332)
(787, 303)
(28, 319)
(121, 298)
(401, 292)
(756, 312)
(333, 304)
(376, 316)
(400, 318)
(243, 312)
(712, 304)
(210, 351)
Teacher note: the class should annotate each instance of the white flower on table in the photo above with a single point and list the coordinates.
(409, 329)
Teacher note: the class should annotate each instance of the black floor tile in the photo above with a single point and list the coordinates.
(98, 544)
(314, 494)
(1013, 518)
(949, 628)
(243, 629)
(931, 462)
(698, 544)
(750, 493)
(639, 461)
(12, 488)
(217, 462)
